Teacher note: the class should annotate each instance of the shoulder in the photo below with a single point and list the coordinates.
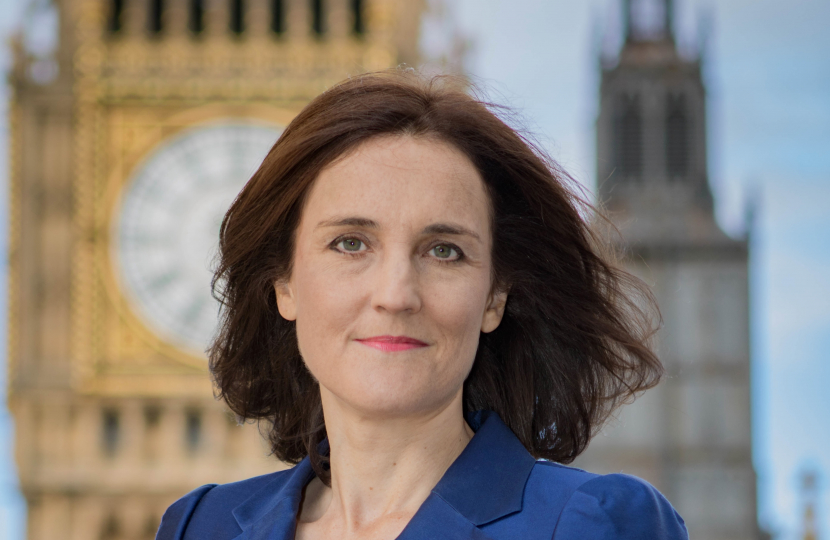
(615, 506)
(207, 511)
(563, 502)
(549, 489)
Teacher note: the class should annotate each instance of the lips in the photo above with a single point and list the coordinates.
(392, 343)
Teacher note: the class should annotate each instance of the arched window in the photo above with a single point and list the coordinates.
(237, 22)
(155, 17)
(196, 16)
(278, 16)
(358, 20)
(628, 136)
(115, 23)
(193, 430)
(677, 136)
(111, 431)
(111, 527)
(151, 417)
(318, 17)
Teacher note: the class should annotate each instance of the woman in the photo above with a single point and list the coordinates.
(415, 305)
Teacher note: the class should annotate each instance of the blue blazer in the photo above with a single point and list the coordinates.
(494, 490)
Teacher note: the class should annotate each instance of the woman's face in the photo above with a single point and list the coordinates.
(391, 276)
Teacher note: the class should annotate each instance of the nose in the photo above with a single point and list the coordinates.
(396, 289)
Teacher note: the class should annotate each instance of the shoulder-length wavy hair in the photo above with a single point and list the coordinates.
(574, 340)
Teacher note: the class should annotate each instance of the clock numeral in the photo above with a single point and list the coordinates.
(169, 219)
(191, 315)
(162, 281)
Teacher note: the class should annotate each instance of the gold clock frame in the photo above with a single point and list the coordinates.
(146, 144)
(123, 344)
(130, 96)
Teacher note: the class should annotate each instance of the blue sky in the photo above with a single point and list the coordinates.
(768, 78)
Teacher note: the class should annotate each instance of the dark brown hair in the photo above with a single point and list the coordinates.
(573, 343)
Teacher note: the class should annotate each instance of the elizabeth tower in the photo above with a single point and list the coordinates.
(127, 147)
(691, 436)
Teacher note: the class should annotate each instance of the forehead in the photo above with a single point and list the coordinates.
(397, 179)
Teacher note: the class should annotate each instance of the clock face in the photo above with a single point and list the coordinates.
(167, 229)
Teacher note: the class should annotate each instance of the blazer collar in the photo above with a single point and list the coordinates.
(486, 482)
(270, 512)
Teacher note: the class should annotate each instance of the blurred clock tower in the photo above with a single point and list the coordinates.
(126, 148)
(691, 436)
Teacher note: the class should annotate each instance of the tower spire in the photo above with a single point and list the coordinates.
(648, 20)
(626, 14)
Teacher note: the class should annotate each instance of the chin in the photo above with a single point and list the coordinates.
(394, 398)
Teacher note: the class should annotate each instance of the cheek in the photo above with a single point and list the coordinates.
(328, 305)
(457, 307)
(321, 291)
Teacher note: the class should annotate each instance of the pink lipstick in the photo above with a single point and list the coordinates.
(392, 343)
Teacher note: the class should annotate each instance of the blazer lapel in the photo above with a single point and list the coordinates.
(270, 513)
(278, 523)
(436, 519)
(485, 483)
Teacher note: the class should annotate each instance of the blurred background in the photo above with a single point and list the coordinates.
(127, 127)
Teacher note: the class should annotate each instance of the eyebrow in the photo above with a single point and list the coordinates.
(349, 222)
(435, 228)
(450, 228)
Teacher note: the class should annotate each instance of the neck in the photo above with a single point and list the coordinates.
(386, 467)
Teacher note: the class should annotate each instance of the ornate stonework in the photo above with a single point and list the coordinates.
(114, 422)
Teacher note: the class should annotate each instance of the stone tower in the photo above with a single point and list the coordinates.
(691, 435)
(127, 145)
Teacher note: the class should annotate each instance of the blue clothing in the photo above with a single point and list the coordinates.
(494, 490)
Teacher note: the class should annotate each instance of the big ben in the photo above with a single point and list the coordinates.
(122, 165)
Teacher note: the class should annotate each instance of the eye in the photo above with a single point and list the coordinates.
(350, 245)
(446, 252)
